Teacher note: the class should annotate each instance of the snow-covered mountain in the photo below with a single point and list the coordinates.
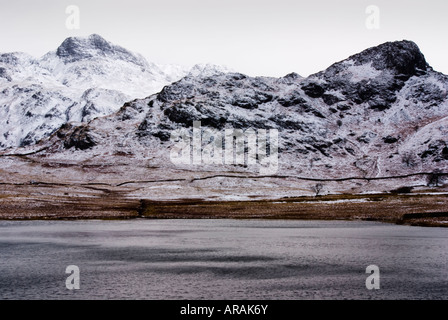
(93, 62)
(208, 70)
(362, 114)
(83, 79)
(380, 113)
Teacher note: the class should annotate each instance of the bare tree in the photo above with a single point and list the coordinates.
(317, 188)
(434, 178)
(408, 159)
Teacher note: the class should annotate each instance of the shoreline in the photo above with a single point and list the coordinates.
(427, 209)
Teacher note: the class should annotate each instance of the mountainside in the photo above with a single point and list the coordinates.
(83, 79)
(380, 113)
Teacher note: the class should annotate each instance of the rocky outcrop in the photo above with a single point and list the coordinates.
(78, 137)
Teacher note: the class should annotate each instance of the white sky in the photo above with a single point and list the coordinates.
(255, 37)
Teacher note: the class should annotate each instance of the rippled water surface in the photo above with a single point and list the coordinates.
(221, 259)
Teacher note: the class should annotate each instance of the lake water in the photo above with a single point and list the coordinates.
(221, 259)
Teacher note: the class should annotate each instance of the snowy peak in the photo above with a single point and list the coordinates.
(400, 58)
(78, 48)
(208, 70)
(374, 76)
(403, 57)
(86, 77)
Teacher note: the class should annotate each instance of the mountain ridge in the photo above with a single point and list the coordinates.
(350, 120)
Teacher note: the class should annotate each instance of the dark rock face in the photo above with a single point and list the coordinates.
(177, 91)
(427, 93)
(330, 99)
(390, 139)
(366, 137)
(396, 62)
(251, 100)
(182, 113)
(445, 153)
(78, 137)
(290, 78)
(293, 99)
(9, 58)
(403, 57)
(288, 124)
(313, 89)
(437, 150)
(4, 74)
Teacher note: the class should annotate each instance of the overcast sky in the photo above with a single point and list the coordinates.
(255, 37)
